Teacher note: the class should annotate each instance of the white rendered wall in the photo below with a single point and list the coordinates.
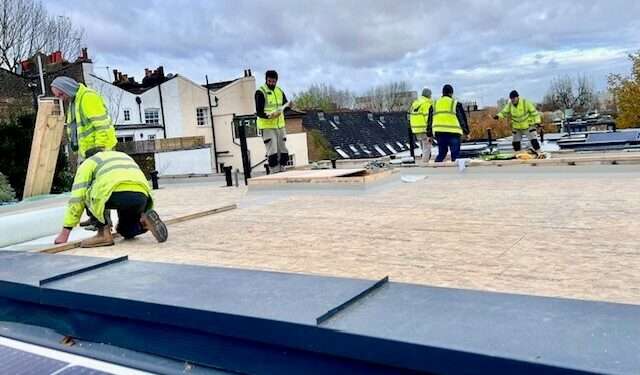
(183, 162)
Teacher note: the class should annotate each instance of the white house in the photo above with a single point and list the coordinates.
(174, 106)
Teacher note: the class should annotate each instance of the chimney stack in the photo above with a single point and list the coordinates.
(147, 72)
(115, 75)
(85, 55)
(161, 71)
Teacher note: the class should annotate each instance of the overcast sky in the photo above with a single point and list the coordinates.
(484, 48)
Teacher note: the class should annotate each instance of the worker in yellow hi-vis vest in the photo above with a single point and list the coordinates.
(418, 113)
(89, 126)
(112, 180)
(270, 105)
(447, 122)
(525, 120)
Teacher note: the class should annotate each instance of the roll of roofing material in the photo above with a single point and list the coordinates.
(30, 225)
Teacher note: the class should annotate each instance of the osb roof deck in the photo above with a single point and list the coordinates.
(552, 231)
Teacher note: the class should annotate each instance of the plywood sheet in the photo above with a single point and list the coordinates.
(44, 147)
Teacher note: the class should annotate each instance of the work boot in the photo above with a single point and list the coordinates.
(102, 238)
(536, 153)
(151, 221)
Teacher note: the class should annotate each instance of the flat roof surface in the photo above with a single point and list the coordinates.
(551, 231)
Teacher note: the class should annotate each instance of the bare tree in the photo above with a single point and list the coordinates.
(567, 93)
(112, 95)
(324, 97)
(26, 28)
(64, 36)
(393, 96)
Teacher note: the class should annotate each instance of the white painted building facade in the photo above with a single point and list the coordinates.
(184, 112)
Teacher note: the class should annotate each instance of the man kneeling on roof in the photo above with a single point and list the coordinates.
(112, 180)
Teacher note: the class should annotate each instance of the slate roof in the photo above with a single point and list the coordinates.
(362, 134)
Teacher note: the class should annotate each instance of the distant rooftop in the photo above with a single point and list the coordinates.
(362, 134)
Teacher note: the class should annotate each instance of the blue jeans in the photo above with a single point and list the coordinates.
(446, 142)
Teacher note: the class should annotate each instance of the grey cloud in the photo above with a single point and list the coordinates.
(352, 44)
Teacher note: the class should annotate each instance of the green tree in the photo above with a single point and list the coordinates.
(319, 147)
(626, 91)
(7, 193)
(323, 97)
(16, 135)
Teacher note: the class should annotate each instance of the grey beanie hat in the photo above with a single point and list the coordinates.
(426, 92)
(67, 85)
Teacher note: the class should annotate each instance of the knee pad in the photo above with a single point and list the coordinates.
(273, 160)
(516, 146)
(535, 144)
(284, 158)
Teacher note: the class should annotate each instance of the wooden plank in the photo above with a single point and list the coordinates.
(357, 179)
(76, 244)
(44, 147)
(312, 174)
(553, 161)
(201, 214)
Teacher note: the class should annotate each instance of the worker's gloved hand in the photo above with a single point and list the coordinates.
(495, 117)
(63, 237)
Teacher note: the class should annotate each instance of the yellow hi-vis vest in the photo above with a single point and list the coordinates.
(444, 116)
(418, 115)
(94, 125)
(99, 176)
(522, 116)
(273, 100)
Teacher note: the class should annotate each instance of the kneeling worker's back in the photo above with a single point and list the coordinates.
(97, 178)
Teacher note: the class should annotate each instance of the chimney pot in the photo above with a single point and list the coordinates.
(115, 75)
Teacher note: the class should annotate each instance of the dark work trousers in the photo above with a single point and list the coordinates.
(130, 206)
(446, 142)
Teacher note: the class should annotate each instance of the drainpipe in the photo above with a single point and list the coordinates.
(139, 101)
(213, 128)
(41, 75)
(164, 124)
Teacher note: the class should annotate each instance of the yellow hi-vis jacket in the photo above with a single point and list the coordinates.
(94, 125)
(445, 119)
(418, 115)
(273, 100)
(99, 176)
(522, 115)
